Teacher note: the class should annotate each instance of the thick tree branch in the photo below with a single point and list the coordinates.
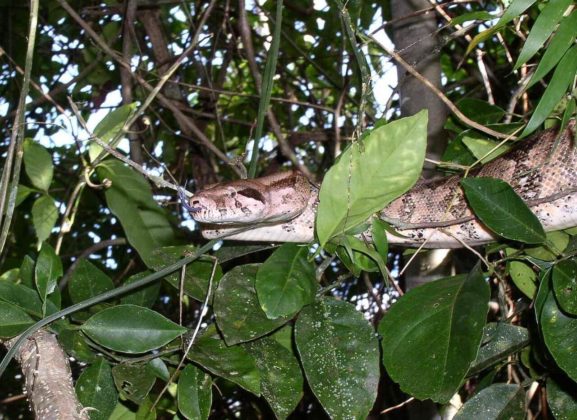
(48, 378)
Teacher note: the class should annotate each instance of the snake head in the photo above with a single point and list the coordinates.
(233, 203)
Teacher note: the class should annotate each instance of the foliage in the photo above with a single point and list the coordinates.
(293, 331)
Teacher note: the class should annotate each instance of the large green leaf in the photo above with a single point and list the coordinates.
(562, 398)
(238, 313)
(339, 352)
(370, 174)
(88, 281)
(134, 381)
(131, 329)
(38, 165)
(544, 25)
(286, 281)
(21, 296)
(499, 402)
(13, 320)
(95, 388)
(130, 198)
(234, 363)
(560, 81)
(44, 216)
(432, 334)
(560, 42)
(502, 210)
(560, 335)
(565, 285)
(282, 379)
(194, 393)
(500, 340)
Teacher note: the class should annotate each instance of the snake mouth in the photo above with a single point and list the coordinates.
(193, 207)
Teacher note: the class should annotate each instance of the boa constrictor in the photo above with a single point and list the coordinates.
(281, 207)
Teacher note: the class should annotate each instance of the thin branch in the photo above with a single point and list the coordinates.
(13, 160)
(440, 94)
(186, 123)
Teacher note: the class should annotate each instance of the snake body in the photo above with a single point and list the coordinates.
(282, 207)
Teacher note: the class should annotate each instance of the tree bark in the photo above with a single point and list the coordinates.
(48, 378)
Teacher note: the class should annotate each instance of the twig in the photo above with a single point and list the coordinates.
(161, 183)
(437, 92)
(186, 123)
(203, 312)
(395, 407)
(13, 160)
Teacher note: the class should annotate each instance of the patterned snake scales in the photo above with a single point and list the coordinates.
(281, 207)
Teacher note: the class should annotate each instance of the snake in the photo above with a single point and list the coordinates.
(433, 214)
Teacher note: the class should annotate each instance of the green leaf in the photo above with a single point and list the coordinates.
(502, 210)
(560, 81)
(435, 329)
(560, 43)
(130, 199)
(197, 275)
(480, 111)
(524, 278)
(48, 269)
(131, 329)
(95, 388)
(500, 340)
(23, 297)
(134, 381)
(230, 362)
(562, 398)
(466, 17)
(88, 281)
(238, 313)
(13, 320)
(543, 292)
(544, 25)
(286, 281)
(379, 230)
(370, 174)
(75, 344)
(143, 296)
(565, 285)
(38, 165)
(499, 401)
(560, 335)
(194, 393)
(340, 356)
(483, 149)
(22, 193)
(282, 379)
(44, 216)
(556, 242)
(267, 85)
(516, 7)
(110, 127)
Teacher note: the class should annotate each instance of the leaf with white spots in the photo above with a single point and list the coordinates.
(237, 309)
(95, 388)
(432, 334)
(340, 355)
(560, 334)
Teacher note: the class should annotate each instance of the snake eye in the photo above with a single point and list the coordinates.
(252, 193)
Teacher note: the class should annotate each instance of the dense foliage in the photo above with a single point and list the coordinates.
(182, 90)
